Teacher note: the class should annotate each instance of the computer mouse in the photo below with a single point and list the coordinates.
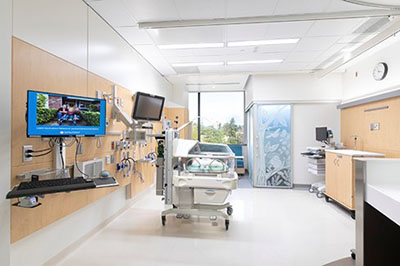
(104, 174)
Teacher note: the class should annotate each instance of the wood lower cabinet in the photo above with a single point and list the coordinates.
(340, 179)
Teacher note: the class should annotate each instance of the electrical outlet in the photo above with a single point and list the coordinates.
(112, 158)
(99, 94)
(24, 153)
(375, 126)
(108, 159)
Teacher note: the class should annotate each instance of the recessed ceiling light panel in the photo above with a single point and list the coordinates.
(262, 42)
(190, 46)
(198, 64)
(249, 62)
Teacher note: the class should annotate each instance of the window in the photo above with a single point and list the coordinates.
(221, 116)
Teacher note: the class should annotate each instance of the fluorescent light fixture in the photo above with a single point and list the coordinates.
(255, 62)
(262, 42)
(350, 49)
(190, 46)
(198, 64)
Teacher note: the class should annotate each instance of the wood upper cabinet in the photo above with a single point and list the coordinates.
(340, 179)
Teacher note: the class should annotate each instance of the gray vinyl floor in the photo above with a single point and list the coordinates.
(277, 227)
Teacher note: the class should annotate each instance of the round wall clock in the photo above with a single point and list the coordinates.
(380, 71)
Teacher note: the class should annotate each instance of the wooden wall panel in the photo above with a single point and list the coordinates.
(36, 69)
(182, 116)
(356, 121)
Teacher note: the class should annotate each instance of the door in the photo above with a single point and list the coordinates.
(331, 174)
(273, 146)
(345, 181)
(250, 143)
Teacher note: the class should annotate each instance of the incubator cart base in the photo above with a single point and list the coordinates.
(203, 210)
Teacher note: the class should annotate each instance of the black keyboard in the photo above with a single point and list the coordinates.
(42, 187)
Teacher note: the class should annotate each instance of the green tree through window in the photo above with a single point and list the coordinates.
(221, 117)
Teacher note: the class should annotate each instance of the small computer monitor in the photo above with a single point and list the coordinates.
(147, 107)
(60, 115)
(321, 133)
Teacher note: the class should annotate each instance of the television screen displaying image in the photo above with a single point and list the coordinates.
(51, 114)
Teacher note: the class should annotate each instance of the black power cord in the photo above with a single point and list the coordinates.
(39, 155)
(46, 151)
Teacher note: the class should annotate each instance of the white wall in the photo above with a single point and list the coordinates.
(42, 245)
(294, 87)
(362, 85)
(112, 58)
(71, 30)
(59, 27)
(180, 92)
(306, 117)
(314, 104)
(5, 129)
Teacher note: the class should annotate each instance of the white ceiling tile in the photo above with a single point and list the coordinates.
(337, 6)
(152, 10)
(204, 9)
(256, 56)
(181, 52)
(288, 30)
(153, 55)
(319, 41)
(195, 59)
(274, 48)
(349, 38)
(301, 6)
(302, 57)
(285, 66)
(212, 69)
(316, 43)
(253, 68)
(333, 52)
(334, 27)
(246, 32)
(187, 35)
(135, 36)
(114, 12)
(250, 8)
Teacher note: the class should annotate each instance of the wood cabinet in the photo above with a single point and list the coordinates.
(340, 179)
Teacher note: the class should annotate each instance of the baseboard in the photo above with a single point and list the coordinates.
(60, 257)
(301, 186)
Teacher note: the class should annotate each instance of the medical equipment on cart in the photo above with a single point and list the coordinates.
(195, 178)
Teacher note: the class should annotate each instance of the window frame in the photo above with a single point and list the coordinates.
(198, 93)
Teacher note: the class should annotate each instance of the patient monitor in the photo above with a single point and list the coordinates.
(146, 108)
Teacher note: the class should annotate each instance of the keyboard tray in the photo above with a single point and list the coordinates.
(94, 183)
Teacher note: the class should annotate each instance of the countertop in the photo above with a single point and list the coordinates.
(356, 153)
(386, 199)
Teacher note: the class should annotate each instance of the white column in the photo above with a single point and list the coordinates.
(5, 128)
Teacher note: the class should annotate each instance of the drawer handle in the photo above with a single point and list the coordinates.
(210, 192)
(339, 156)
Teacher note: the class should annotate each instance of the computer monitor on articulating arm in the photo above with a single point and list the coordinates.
(323, 134)
(147, 107)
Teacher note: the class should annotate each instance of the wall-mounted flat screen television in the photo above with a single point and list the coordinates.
(59, 115)
(147, 107)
